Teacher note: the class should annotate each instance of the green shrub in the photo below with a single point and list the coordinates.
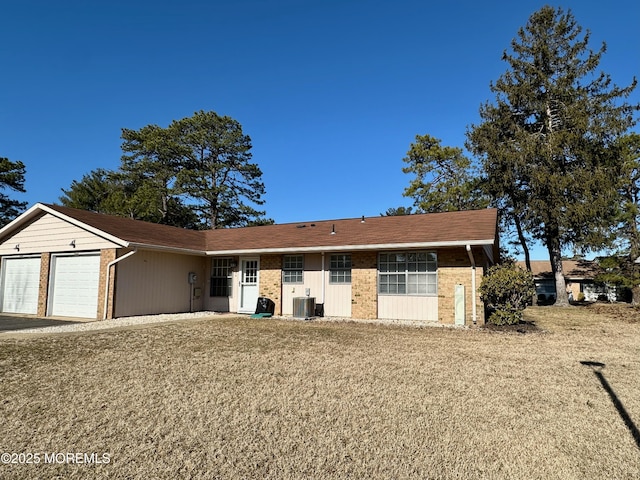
(506, 290)
(505, 317)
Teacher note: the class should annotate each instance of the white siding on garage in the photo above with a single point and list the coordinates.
(20, 283)
(51, 234)
(74, 286)
(151, 282)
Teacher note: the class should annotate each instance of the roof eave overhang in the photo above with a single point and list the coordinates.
(36, 210)
(343, 248)
(162, 248)
(550, 276)
(88, 228)
(31, 214)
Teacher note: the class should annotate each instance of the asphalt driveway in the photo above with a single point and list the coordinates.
(12, 323)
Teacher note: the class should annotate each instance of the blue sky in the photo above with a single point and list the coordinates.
(331, 92)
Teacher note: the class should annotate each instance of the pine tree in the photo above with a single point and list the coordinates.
(445, 179)
(548, 143)
(216, 172)
(12, 178)
(621, 267)
(152, 160)
(196, 173)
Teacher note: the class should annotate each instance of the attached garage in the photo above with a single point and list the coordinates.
(20, 281)
(74, 285)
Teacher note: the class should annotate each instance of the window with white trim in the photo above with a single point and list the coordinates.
(408, 273)
(340, 268)
(221, 272)
(292, 268)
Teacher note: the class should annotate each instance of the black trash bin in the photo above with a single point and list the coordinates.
(265, 307)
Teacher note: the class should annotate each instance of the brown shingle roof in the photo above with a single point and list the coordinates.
(137, 232)
(576, 269)
(477, 226)
(436, 229)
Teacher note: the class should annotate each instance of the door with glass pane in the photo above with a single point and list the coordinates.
(249, 269)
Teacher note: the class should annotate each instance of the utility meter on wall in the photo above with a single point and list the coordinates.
(193, 278)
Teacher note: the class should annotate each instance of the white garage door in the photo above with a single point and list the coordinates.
(20, 280)
(74, 286)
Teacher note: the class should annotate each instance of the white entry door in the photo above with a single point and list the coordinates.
(249, 270)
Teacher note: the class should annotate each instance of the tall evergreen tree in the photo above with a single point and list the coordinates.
(92, 192)
(548, 144)
(12, 178)
(622, 267)
(445, 180)
(216, 172)
(196, 173)
(152, 159)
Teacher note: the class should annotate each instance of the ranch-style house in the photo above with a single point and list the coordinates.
(64, 262)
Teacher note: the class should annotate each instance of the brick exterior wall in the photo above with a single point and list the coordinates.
(106, 256)
(454, 268)
(43, 288)
(271, 280)
(364, 285)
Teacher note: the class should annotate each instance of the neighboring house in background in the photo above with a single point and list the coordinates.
(579, 277)
(59, 261)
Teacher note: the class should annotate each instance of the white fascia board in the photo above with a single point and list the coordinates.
(351, 248)
(20, 219)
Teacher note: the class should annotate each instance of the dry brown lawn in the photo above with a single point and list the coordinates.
(246, 398)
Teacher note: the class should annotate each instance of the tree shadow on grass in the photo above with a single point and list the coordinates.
(596, 368)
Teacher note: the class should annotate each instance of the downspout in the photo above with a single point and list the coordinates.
(323, 282)
(106, 286)
(474, 307)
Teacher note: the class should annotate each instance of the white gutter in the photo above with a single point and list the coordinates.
(163, 248)
(106, 286)
(342, 248)
(473, 285)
